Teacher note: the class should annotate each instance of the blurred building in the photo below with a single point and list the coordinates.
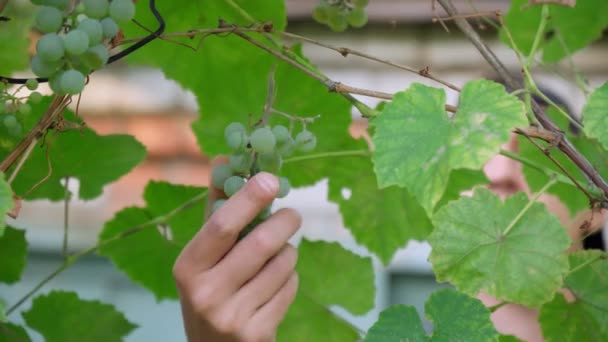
(141, 102)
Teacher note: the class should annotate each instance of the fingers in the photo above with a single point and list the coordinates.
(220, 232)
(249, 256)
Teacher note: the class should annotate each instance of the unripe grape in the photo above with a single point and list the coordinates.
(76, 42)
(264, 214)
(71, 81)
(96, 8)
(15, 130)
(219, 174)
(233, 184)
(269, 162)
(44, 68)
(96, 57)
(31, 84)
(122, 11)
(281, 133)
(48, 19)
(320, 14)
(9, 121)
(287, 148)
(284, 187)
(237, 140)
(306, 141)
(24, 109)
(110, 28)
(61, 4)
(50, 47)
(35, 97)
(357, 17)
(55, 84)
(241, 163)
(93, 29)
(262, 140)
(218, 204)
(337, 23)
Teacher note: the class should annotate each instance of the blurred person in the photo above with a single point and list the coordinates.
(234, 290)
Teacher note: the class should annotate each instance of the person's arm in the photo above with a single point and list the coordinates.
(239, 291)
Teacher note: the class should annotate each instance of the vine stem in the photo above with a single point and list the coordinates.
(602, 256)
(70, 260)
(353, 153)
(532, 200)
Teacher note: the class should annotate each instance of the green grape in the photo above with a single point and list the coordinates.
(71, 81)
(55, 84)
(219, 174)
(284, 187)
(35, 97)
(232, 185)
(320, 13)
(50, 47)
(237, 140)
(337, 22)
(15, 130)
(110, 27)
(61, 4)
(44, 68)
(93, 29)
(96, 57)
(122, 11)
(262, 140)
(357, 17)
(241, 163)
(264, 214)
(234, 127)
(10, 121)
(96, 8)
(306, 141)
(218, 204)
(269, 162)
(360, 3)
(287, 148)
(24, 109)
(48, 19)
(76, 42)
(31, 84)
(281, 133)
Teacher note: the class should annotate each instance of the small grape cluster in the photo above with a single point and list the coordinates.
(338, 14)
(262, 150)
(14, 109)
(75, 39)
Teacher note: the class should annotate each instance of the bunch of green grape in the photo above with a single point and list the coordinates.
(263, 149)
(13, 108)
(338, 14)
(75, 40)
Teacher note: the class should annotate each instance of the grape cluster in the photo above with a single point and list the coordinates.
(13, 109)
(338, 14)
(75, 39)
(263, 149)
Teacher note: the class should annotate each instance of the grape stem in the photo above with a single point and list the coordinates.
(303, 120)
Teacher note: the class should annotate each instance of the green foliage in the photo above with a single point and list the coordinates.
(341, 269)
(75, 319)
(13, 252)
(482, 244)
(418, 145)
(10, 332)
(471, 323)
(568, 29)
(585, 319)
(594, 115)
(6, 201)
(14, 37)
(155, 246)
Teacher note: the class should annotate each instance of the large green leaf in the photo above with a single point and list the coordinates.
(321, 264)
(93, 159)
(13, 252)
(460, 181)
(10, 332)
(595, 115)
(6, 201)
(568, 29)
(482, 244)
(456, 317)
(14, 37)
(381, 220)
(585, 319)
(154, 247)
(61, 316)
(418, 145)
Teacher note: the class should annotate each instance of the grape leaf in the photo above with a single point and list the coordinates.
(61, 316)
(95, 160)
(585, 319)
(508, 338)
(482, 244)
(460, 181)
(595, 115)
(6, 201)
(568, 29)
(417, 145)
(401, 323)
(381, 220)
(13, 252)
(397, 323)
(155, 247)
(10, 332)
(14, 34)
(341, 269)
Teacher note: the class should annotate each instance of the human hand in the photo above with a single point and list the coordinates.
(239, 291)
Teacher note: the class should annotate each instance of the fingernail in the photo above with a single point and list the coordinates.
(268, 182)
